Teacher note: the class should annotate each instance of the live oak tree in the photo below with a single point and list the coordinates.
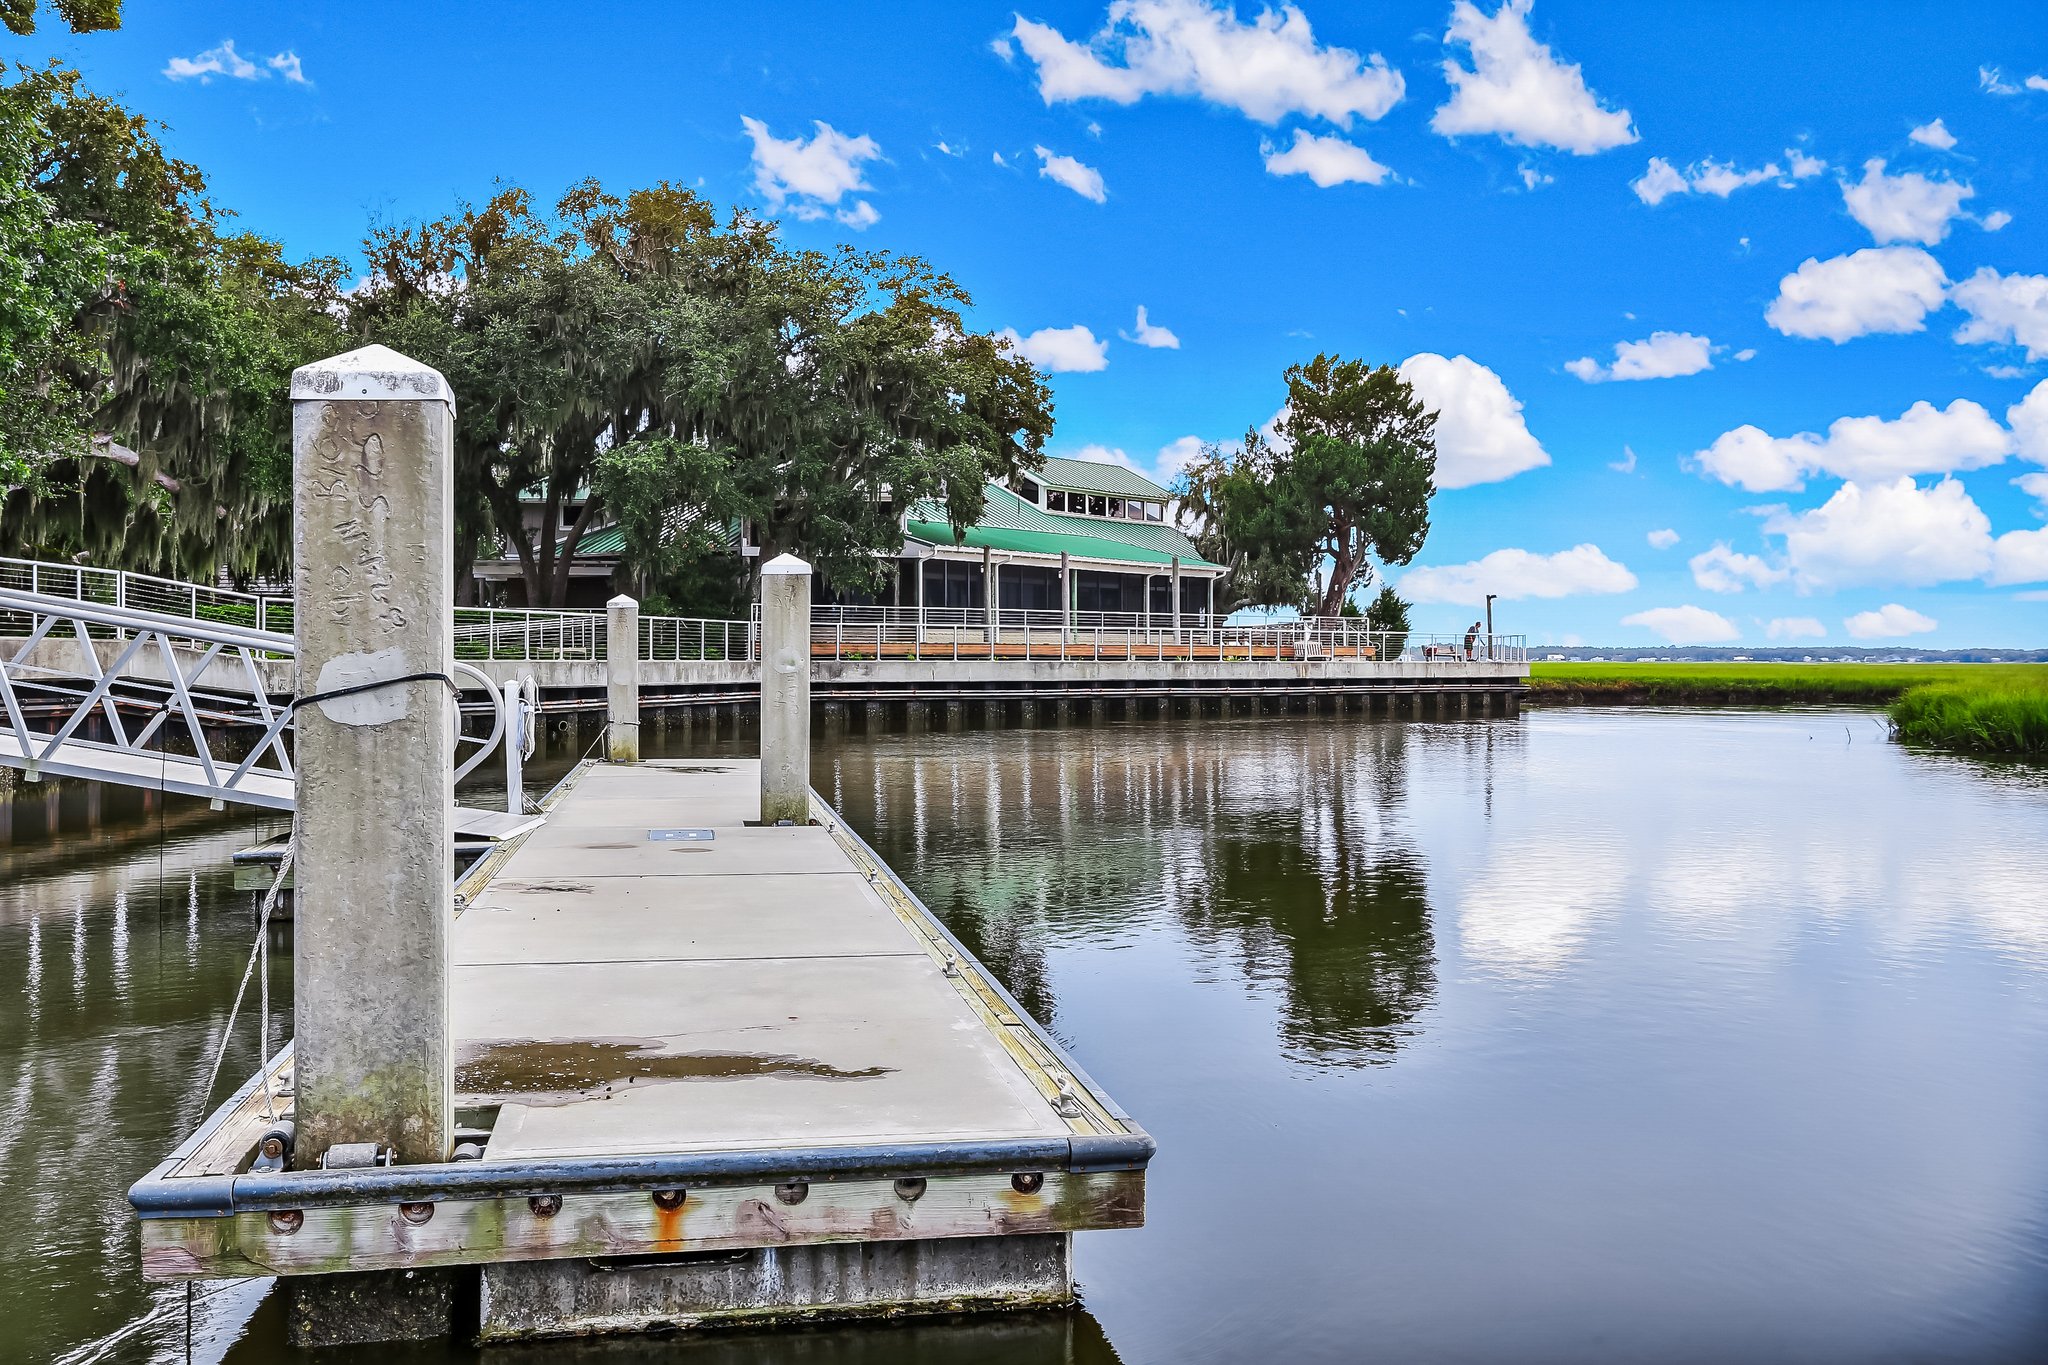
(80, 16)
(635, 360)
(1345, 483)
(144, 347)
(832, 389)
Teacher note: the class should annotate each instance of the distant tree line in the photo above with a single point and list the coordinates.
(631, 358)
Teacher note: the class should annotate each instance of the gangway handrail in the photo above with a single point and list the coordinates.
(185, 648)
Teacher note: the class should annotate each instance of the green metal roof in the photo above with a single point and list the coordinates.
(1091, 477)
(1010, 523)
(610, 540)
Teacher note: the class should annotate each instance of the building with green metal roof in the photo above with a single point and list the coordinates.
(1098, 537)
(1102, 530)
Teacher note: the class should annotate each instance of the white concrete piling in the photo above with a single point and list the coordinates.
(622, 679)
(785, 691)
(373, 565)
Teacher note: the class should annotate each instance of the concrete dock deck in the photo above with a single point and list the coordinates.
(679, 1035)
(647, 973)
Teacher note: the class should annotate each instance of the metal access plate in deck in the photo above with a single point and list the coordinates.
(623, 996)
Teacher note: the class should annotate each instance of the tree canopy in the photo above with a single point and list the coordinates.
(144, 347)
(1345, 481)
(80, 16)
(636, 360)
(633, 359)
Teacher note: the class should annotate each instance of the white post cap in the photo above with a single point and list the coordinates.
(783, 564)
(369, 373)
(623, 601)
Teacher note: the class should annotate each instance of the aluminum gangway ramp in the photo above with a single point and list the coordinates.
(179, 704)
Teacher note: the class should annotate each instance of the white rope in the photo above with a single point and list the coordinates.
(259, 950)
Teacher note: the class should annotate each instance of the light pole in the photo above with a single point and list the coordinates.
(1489, 624)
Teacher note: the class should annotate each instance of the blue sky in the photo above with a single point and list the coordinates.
(1495, 196)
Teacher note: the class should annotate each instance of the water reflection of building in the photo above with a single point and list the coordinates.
(1278, 846)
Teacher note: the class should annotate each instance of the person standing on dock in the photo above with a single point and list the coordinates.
(1471, 639)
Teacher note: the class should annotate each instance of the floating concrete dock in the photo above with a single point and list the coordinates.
(684, 1053)
(679, 1033)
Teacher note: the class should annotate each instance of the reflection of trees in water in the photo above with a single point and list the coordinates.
(1349, 943)
(1279, 843)
(1309, 880)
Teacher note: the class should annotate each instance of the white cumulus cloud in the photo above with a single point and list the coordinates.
(1083, 180)
(1687, 625)
(1722, 569)
(1481, 436)
(1660, 179)
(1325, 160)
(1060, 350)
(2028, 419)
(1662, 540)
(1149, 333)
(813, 175)
(1903, 208)
(1889, 622)
(1887, 533)
(1877, 289)
(2020, 557)
(1266, 69)
(1518, 90)
(1922, 440)
(1996, 221)
(1517, 574)
(2004, 308)
(1661, 355)
(225, 62)
(1795, 628)
(1993, 80)
(1933, 134)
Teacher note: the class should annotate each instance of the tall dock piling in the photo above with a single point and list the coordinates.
(373, 566)
(785, 691)
(622, 679)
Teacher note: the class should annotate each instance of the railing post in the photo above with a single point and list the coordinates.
(373, 591)
(622, 679)
(785, 691)
(515, 746)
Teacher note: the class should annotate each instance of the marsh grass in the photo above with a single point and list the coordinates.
(1974, 708)
(1991, 717)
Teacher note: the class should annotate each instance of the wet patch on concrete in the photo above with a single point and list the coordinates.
(545, 1073)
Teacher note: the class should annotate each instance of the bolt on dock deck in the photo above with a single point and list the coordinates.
(718, 1071)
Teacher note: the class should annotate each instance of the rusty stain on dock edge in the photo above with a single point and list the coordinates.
(545, 1073)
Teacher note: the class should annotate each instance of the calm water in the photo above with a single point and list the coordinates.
(1592, 1036)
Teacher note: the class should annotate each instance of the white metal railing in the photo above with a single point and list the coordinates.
(976, 633)
(670, 639)
(192, 678)
(845, 633)
(520, 633)
(146, 592)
